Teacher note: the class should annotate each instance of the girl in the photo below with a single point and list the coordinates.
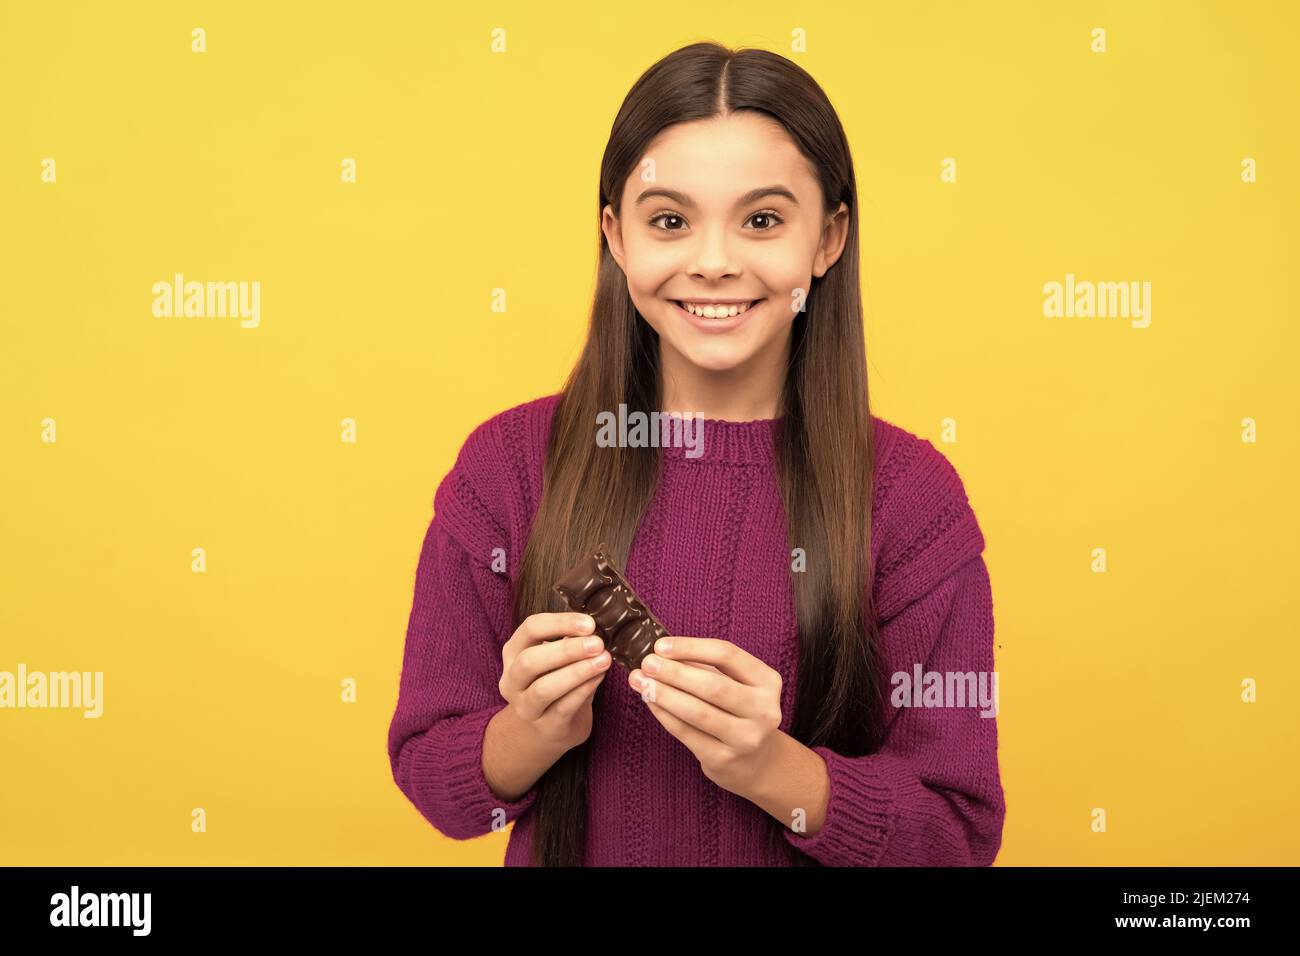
(810, 553)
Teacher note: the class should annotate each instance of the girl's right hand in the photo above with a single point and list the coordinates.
(549, 678)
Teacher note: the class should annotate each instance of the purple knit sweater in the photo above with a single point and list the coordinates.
(711, 559)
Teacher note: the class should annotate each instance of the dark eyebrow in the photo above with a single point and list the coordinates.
(753, 196)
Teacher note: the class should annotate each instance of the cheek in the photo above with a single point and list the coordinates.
(650, 265)
(783, 271)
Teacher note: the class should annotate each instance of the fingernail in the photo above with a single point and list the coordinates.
(586, 622)
(650, 665)
(664, 645)
(592, 644)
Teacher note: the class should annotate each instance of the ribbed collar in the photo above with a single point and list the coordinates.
(720, 440)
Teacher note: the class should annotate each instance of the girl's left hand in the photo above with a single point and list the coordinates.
(723, 703)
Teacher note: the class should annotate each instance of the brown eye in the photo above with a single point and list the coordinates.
(773, 218)
(666, 215)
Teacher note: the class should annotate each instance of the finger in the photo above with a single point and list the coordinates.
(700, 714)
(552, 686)
(707, 667)
(736, 663)
(709, 685)
(576, 699)
(537, 628)
(541, 630)
(539, 659)
(706, 749)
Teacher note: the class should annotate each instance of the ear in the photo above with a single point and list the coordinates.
(834, 236)
(613, 231)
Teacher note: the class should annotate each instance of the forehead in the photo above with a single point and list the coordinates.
(716, 160)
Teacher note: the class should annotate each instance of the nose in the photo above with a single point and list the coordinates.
(712, 256)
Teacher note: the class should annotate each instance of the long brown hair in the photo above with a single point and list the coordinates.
(594, 493)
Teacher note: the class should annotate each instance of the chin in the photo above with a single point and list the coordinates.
(714, 357)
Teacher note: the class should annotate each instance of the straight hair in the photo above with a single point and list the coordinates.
(825, 443)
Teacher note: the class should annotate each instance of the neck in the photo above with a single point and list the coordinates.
(744, 393)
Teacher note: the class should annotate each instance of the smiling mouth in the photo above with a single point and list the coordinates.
(709, 312)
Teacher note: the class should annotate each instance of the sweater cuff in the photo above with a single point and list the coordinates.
(859, 813)
(447, 772)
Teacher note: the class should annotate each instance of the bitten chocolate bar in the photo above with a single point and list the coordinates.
(594, 586)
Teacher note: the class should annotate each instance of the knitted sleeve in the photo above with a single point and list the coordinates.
(460, 619)
(932, 794)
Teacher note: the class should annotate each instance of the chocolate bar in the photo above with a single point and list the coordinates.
(594, 586)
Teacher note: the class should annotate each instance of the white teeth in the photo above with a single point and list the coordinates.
(715, 311)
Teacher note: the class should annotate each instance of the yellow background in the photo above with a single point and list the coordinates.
(479, 171)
